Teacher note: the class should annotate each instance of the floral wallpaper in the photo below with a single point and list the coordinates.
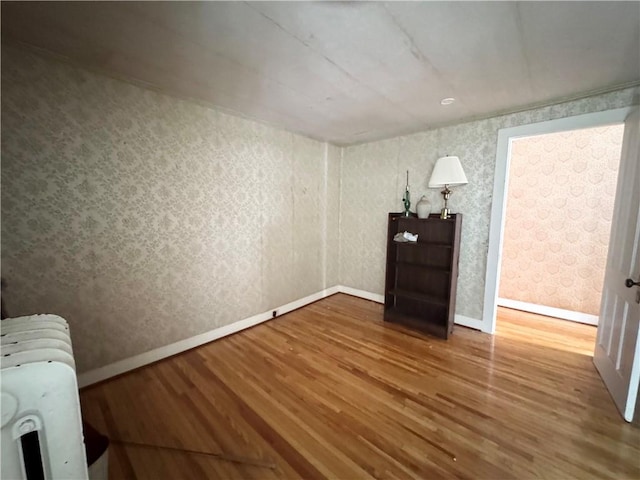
(143, 219)
(373, 180)
(559, 209)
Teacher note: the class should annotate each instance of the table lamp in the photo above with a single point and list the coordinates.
(447, 173)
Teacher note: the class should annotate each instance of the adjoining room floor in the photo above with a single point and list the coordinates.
(546, 331)
(331, 391)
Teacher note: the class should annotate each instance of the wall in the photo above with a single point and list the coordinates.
(143, 219)
(373, 179)
(559, 209)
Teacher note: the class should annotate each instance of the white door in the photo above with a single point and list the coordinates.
(617, 353)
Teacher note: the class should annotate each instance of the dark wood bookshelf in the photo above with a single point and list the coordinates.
(421, 277)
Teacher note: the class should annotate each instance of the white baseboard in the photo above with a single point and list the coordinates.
(127, 364)
(469, 322)
(549, 311)
(375, 297)
(458, 319)
(117, 368)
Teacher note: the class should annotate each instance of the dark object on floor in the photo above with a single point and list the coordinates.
(95, 444)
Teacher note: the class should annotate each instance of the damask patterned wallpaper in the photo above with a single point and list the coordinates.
(373, 180)
(559, 208)
(143, 219)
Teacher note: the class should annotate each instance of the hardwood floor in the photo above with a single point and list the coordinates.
(546, 331)
(331, 391)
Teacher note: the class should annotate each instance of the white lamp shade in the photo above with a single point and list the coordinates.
(447, 171)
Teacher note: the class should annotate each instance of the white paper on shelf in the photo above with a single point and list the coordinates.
(404, 237)
(411, 237)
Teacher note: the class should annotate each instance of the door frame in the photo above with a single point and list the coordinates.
(501, 179)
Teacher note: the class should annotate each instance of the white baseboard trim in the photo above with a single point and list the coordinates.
(122, 366)
(117, 368)
(375, 297)
(458, 319)
(469, 322)
(550, 311)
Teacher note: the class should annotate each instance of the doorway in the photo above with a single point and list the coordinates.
(506, 137)
(558, 220)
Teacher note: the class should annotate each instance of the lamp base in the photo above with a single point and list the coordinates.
(445, 212)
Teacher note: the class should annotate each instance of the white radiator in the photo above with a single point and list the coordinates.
(41, 420)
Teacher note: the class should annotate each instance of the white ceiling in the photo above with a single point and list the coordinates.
(347, 72)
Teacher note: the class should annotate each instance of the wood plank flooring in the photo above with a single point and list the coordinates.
(330, 391)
